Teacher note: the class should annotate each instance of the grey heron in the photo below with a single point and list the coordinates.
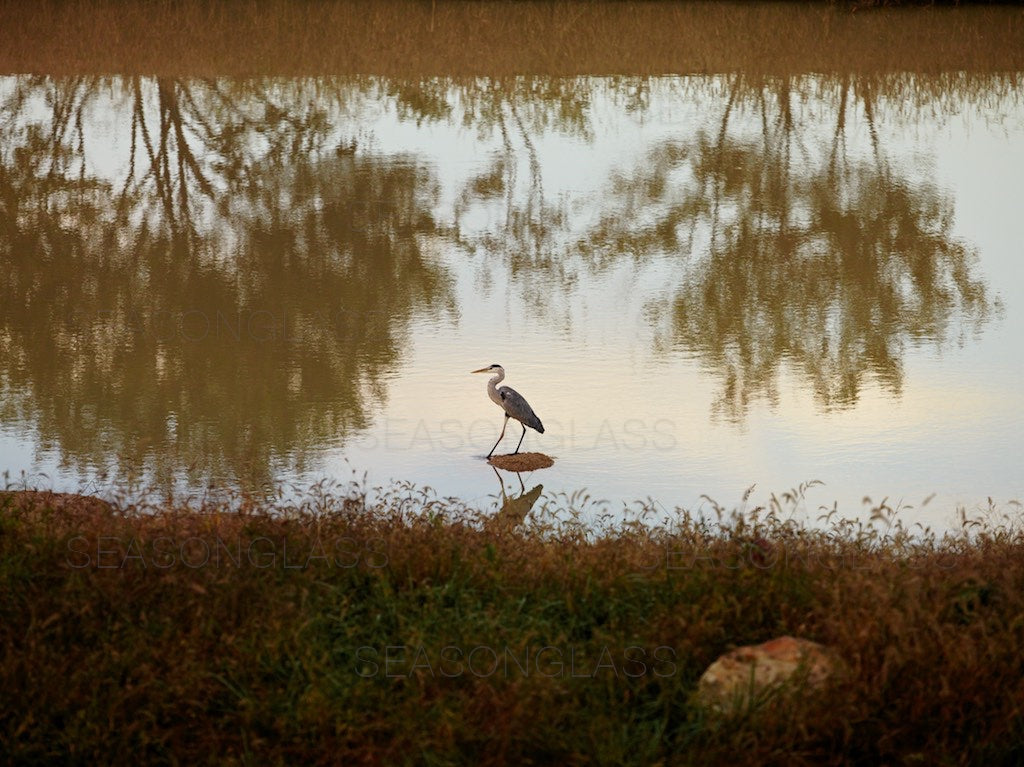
(512, 402)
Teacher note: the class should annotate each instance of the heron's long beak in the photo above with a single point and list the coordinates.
(481, 370)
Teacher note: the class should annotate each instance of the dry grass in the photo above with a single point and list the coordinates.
(416, 39)
(253, 632)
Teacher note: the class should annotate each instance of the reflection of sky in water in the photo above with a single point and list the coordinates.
(627, 422)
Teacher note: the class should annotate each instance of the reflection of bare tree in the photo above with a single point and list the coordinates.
(236, 300)
(519, 110)
(192, 142)
(799, 255)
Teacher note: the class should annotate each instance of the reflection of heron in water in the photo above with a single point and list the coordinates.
(513, 510)
(512, 402)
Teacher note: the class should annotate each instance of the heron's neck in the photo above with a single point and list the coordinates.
(492, 387)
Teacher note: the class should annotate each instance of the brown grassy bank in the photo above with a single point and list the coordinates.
(328, 633)
(402, 38)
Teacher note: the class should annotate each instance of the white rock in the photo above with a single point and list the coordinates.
(755, 672)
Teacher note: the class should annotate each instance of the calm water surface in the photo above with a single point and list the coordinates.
(699, 283)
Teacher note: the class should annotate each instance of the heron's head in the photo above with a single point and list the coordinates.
(495, 368)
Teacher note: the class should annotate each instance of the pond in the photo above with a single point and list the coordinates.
(701, 283)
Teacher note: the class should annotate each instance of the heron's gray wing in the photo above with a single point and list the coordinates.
(517, 407)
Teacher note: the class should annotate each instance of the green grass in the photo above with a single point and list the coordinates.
(260, 635)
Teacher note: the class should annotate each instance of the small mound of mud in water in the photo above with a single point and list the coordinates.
(522, 461)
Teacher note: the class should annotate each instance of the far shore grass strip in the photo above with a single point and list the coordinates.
(416, 39)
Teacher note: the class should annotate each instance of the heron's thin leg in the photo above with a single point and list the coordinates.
(520, 439)
(500, 437)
